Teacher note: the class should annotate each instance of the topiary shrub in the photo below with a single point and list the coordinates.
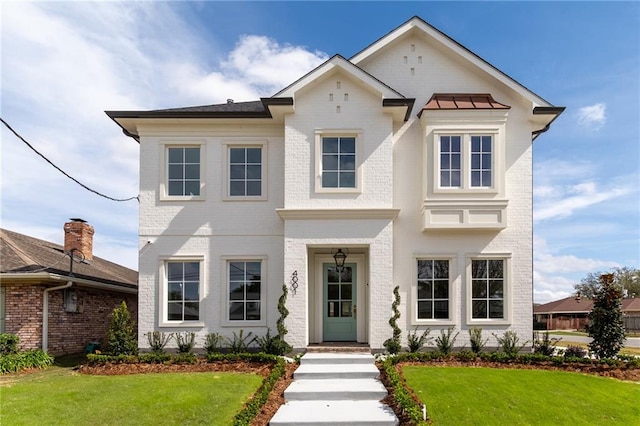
(121, 339)
(393, 344)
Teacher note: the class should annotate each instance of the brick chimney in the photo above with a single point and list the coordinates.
(78, 234)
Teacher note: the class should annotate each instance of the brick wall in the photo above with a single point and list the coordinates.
(69, 332)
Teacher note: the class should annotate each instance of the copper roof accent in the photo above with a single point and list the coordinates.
(23, 254)
(452, 101)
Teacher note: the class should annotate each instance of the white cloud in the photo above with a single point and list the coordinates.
(593, 117)
(64, 64)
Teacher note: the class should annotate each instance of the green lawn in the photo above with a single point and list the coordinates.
(485, 396)
(57, 397)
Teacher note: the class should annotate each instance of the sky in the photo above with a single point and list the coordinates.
(64, 63)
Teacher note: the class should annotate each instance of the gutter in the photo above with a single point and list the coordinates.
(555, 111)
(45, 312)
(48, 276)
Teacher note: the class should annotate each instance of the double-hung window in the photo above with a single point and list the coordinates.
(183, 171)
(339, 162)
(432, 289)
(245, 290)
(488, 289)
(183, 290)
(465, 161)
(245, 171)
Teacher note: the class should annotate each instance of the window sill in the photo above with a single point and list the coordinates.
(432, 322)
(182, 324)
(474, 322)
(244, 198)
(181, 198)
(259, 323)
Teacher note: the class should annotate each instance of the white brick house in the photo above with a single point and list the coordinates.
(414, 157)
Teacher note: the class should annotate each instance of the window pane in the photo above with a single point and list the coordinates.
(254, 155)
(254, 172)
(495, 269)
(347, 162)
(475, 143)
(253, 270)
(237, 172)
(192, 155)
(347, 274)
(444, 161)
(346, 309)
(455, 161)
(332, 275)
(174, 311)
(333, 309)
(455, 179)
(253, 311)
(425, 269)
(176, 171)
(495, 289)
(176, 155)
(425, 290)
(424, 310)
(333, 291)
(175, 188)
(236, 311)
(347, 180)
(330, 180)
(496, 309)
(329, 145)
(191, 291)
(475, 161)
(192, 188)
(441, 309)
(237, 188)
(348, 145)
(254, 188)
(486, 178)
(478, 289)
(330, 162)
(475, 179)
(445, 178)
(191, 311)
(455, 143)
(192, 271)
(175, 291)
(486, 161)
(237, 155)
(346, 291)
(479, 309)
(175, 271)
(253, 290)
(192, 171)
(445, 144)
(479, 269)
(486, 144)
(441, 289)
(441, 268)
(236, 290)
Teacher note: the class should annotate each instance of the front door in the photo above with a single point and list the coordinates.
(339, 298)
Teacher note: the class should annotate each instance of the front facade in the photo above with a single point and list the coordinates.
(414, 158)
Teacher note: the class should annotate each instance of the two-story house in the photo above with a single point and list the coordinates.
(413, 158)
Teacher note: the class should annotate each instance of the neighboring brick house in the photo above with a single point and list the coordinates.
(572, 313)
(413, 158)
(48, 306)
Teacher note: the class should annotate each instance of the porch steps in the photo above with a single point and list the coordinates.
(337, 389)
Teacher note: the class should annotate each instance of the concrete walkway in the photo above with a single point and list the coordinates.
(337, 389)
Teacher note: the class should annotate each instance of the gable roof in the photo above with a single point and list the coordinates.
(571, 305)
(27, 257)
(417, 24)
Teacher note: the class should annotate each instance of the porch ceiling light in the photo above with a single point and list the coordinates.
(339, 256)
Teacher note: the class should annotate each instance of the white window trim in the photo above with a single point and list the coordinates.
(163, 290)
(243, 143)
(225, 321)
(163, 191)
(321, 133)
(508, 285)
(497, 172)
(453, 276)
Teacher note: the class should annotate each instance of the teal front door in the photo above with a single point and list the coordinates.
(339, 298)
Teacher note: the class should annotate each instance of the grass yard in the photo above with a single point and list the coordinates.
(624, 351)
(58, 396)
(486, 396)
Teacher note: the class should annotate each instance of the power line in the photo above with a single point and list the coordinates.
(62, 171)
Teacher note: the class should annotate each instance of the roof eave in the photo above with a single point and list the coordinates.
(48, 276)
(552, 111)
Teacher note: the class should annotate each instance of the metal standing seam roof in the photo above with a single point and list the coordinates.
(463, 101)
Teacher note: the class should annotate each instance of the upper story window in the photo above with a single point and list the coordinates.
(465, 161)
(245, 172)
(339, 162)
(338, 166)
(183, 171)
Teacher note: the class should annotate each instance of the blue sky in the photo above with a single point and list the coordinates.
(65, 63)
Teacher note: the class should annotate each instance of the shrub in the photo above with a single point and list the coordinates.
(509, 343)
(544, 346)
(158, 340)
(185, 342)
(213, 343)
(253, 406)
(475, 336)
(184, 358)
(14, 362)
(9, 343)
(575, 352)
(273, 345)
(401, 394)
(445, 342)
(393, 344)
(154, 357)
(416, 342)
(121, 339)
(465, 356)
(240, 343)
(281, 346)
(606, 325)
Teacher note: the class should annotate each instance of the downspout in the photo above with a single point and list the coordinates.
(45, 312)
